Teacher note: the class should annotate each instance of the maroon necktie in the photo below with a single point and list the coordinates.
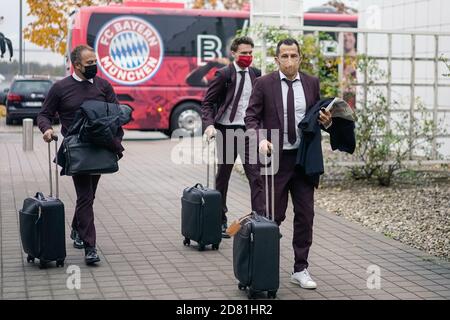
(238, 96)
(292, 136)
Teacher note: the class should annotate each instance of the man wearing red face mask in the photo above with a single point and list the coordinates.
(223, 112)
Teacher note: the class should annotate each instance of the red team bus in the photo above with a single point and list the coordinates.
(159, 57)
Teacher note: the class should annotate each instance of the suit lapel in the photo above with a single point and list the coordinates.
(232, 87)
(278, 97)
(252, 75)
(307, 91)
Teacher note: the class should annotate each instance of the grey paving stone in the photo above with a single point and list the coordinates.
(137, 214)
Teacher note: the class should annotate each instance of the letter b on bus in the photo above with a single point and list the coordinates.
(209, 47)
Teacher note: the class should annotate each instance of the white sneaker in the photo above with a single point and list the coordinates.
(303, 279)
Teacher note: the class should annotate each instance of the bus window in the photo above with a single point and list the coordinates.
(188, 41)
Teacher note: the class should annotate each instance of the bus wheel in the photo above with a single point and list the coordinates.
(187, 116)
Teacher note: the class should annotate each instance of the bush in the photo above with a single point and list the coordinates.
(383, 142)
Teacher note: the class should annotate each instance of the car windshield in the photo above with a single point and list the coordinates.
(35, 86)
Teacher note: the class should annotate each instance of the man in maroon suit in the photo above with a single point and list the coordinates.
(279, 102)
(223, 110)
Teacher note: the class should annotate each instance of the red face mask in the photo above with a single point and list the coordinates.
(244, 61)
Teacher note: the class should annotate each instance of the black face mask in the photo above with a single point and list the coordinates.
(90, 71)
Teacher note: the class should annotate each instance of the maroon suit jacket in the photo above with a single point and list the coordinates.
(265, 109)
(221, 93)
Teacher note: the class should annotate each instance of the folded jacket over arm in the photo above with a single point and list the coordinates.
(309, 155)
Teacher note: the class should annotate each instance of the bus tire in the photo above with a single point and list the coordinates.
(187, 116)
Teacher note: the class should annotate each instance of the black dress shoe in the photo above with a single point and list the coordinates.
(91, 255)
(225, 235)
(77, 242)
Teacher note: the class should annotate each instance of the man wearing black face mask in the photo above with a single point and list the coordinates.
(65, 98)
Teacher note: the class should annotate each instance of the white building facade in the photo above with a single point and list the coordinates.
(431, 16)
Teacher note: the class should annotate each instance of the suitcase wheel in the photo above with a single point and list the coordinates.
(30, 259)
(60, 263)
(42, 264)
(201, 247)
(271, 294)
(241, 287)
(215, 246)
(251, 294)
(187, 242)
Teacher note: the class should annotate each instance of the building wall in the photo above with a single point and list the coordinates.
(411, 15)
(278, 13)
(430, 15)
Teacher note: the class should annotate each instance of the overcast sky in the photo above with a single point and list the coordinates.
(10, 28)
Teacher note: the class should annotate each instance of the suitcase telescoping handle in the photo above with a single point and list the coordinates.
(272, 189)
(209, 163)
(236, 225)
(54, 138)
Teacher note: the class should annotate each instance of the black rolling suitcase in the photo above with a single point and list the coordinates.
(201, 214)
(42, 225)
(256, 252)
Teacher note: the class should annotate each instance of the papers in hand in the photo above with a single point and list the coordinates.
(331, 104)
(340, 109)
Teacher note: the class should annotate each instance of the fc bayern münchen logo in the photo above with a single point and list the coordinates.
(129, 50)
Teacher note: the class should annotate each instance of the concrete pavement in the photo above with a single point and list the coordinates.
(138, 225)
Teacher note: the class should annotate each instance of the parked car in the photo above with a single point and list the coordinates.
(25, 97)
(3, 93)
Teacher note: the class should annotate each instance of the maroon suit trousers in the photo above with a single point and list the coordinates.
(289, 180)
(252, 171)
(83, 220)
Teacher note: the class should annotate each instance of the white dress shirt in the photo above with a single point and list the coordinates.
(243, 101)
(300, 109)
(76, 77)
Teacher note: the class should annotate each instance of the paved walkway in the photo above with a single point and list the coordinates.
(139, 240)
